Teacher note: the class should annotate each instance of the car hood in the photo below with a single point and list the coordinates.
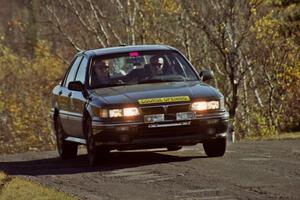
(130, 94)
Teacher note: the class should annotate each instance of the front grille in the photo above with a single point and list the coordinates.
(168, 110)
(152, 110)
(178, 108)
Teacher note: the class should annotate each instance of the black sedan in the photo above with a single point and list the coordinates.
(136, 97)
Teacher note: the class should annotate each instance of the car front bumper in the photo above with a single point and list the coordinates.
(135, 135)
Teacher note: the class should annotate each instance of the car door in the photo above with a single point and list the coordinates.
(64, 97)
(77, 102)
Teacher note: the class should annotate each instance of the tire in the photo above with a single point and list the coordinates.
(94, 153)
(174, 148)
(215, 148)
(66, 149)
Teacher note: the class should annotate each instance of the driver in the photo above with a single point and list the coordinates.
(101, 73)
(157, 65)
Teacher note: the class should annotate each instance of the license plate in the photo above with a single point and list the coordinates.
(185, 115)
(154, 118)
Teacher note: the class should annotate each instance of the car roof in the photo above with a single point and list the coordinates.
(124, 49)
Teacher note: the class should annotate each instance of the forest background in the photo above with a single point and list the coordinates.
(253, 47)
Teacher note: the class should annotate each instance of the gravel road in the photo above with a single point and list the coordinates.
(249, 170)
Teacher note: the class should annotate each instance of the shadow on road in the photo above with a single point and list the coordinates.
(116, 160)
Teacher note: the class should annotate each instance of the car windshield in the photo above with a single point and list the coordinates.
(139, 68)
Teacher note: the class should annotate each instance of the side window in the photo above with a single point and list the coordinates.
(82, 70)
(72, 72)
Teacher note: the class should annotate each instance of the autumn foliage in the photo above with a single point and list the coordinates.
(25, 89)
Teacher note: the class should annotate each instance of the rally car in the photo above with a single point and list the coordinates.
(136, 97)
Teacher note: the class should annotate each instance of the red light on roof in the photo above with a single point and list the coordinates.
(134, 54)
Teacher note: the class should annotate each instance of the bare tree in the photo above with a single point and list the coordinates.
(226, 25)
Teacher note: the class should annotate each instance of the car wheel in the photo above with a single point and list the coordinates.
(174, 148)
(66, 149)
(94, 152)
(215, 148)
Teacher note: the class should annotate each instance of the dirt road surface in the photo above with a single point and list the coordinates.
(249, 170)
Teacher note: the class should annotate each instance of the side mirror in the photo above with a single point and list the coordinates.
(76, 86)
(206, 75)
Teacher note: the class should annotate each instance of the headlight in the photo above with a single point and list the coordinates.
(125, 112)
(211, 105)
(205, 105)
(116, 113)
(130, 112)
(199, 106)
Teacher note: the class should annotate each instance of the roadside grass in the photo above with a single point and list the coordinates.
(18, 188)
(2, 178)
(282, 136)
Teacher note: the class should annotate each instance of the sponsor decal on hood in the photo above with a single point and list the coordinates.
(164, 100)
